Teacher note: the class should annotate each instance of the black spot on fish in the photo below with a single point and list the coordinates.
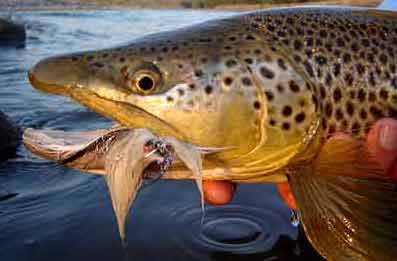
(286, 126)
(297, 58)
(309, 42)
(250, 37)
(365, 42)
(347, 58)
(349, 79)
(332, 128)
(298, 45)
(280, 88)
(360, 68)
(246, 81)
(98, 65)
(299, 118)
(338, 114)
(231, 63)
(356, 128)
(321, 60)
(181, 92)
(384, 94)
(323, 33)
(208, 89)
(328, 109)
(354, 47)
(361, 95)
(269, 95)
(328, 79)
(340, 42)
(363, 114)
(371, 97)
(383, 58)
(287, 111)
(266, 73)
(198, 73)
(294, 87)
(376, 112)
(257, 105)
(170, 99)
(270, 27)
(248, 60)
(228, 81)
(309, 68)
(281, 64)
(349, 108)
(337, 95)
(323, 92)
(372, 79)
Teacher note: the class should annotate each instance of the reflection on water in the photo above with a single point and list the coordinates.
(48, 212)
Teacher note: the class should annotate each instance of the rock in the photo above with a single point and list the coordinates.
(11, 33)
(10, 137)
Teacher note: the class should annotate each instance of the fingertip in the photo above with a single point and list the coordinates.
(382, 141)
(218, 192)
(388, 134)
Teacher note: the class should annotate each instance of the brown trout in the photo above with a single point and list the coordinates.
(269, 87)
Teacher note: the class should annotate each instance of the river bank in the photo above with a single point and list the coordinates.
(31, 5)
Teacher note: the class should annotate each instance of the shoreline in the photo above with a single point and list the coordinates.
(236, 7)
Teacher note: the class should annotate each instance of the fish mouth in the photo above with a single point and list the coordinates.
(56, 75)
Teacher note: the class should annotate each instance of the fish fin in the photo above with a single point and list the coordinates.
(347, 214)
(348, 157)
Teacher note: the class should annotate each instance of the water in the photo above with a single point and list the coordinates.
(49, 212)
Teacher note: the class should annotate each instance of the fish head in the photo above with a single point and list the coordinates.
(215, 85)
(175, 84)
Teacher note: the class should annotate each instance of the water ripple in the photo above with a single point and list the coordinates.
(234, 228)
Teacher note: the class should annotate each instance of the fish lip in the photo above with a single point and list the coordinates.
(51, 88)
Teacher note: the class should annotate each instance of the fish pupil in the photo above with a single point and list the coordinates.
(146, 83)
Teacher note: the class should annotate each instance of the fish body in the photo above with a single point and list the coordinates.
(269, 87)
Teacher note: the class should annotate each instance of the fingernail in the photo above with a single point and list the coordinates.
(388, 137)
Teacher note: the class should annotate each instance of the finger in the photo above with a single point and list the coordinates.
(218, 192)
(382, 142)
(285, 192)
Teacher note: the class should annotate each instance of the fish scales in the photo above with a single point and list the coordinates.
(349, 62)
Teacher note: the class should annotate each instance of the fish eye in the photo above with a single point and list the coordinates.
(145, 82)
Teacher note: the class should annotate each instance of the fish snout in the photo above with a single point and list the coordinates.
(56, 75)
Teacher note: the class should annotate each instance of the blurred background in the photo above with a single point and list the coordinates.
(174, 4)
